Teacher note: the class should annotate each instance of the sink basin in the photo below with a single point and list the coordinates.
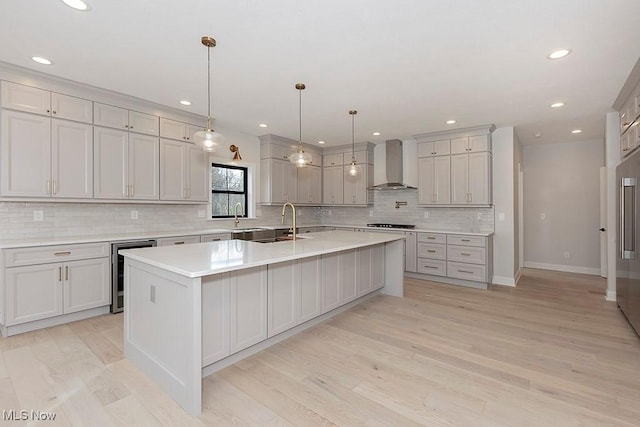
(281, 239)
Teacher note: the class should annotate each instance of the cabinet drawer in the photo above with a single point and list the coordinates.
(474, 272)
(215, 237)
(58, 253)
(466, 254)
(431, 266)
(461, 240)
(432, 238)
(428, 250)
(180, 240)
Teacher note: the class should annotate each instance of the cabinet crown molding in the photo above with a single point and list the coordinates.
(455, 133)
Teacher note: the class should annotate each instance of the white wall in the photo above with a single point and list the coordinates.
(505, 245)
(517, 163)
(561, 206)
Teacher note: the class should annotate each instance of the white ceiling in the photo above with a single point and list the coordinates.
(406, 65)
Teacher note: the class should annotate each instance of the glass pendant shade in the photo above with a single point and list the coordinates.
(300, 158)
(353, 170)
(208, 139)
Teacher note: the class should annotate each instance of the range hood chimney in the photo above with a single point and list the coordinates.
(394, 168)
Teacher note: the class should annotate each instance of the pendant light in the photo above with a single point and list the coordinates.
(208, 139)
(354, 169)
(300, 158)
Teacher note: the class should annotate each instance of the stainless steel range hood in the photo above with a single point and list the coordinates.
(394, 168)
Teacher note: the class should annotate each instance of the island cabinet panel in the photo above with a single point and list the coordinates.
(348, 285)
(331, 278)
(363, 271)
(215, 318)
(282, 297)
(294, 293)
(248, 307)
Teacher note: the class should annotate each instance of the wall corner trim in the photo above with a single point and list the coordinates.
(611, 295)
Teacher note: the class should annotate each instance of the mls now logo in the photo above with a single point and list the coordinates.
(24, 415)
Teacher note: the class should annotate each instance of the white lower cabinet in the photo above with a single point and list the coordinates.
(180, 240)
(234, 312)
(466, 258)
(36, 291)
(294, 293)
(243, 308)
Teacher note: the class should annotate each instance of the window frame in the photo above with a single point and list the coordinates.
(245, 169)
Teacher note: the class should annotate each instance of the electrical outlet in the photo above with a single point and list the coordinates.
(501, 216)
(567, 255)
(134, 214)
(38, 215)
(201, 213)
(543, 216)
(426, 214)
(479, 215)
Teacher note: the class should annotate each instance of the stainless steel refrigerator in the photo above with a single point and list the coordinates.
(628, 233)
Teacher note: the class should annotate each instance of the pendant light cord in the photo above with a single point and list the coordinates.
(353, 144)
(209, 87)
(300, 116)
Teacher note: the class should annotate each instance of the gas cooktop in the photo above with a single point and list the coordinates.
(391, 225)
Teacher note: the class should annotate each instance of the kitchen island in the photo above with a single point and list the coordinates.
(192, 310)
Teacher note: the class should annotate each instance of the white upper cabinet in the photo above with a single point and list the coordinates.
(434, 180)
(470, 144)
(126, 165)
(71, 159)
(38, 101)
(25, 155)
(434, 148)
(173, 129)
(183, 172)
(471, 179)
(26, 98)
(71, 108)
(120, 118)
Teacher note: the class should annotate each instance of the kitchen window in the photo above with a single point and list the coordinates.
(228, 186)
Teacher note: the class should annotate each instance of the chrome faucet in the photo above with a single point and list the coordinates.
(235, 213)
(293, 213)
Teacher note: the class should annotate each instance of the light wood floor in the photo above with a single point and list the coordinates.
(551, 352)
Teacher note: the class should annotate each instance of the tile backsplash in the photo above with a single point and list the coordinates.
(77, 219)
(471, 219)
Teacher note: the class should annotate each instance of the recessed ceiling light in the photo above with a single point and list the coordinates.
(560, 53)
(41, 60)
(576, 131)
(537, 135)
(376, 134)
(263, 125)
(557, 105)
(185, 102)
(450, 122)
(76, 4)
(320, 142)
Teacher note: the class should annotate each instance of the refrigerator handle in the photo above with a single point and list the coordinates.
(631, 252)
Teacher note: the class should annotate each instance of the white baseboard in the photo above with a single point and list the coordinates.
(518, 274)
(611, 295)
(565, 268)
(504, 281)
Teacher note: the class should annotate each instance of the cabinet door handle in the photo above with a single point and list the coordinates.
(178, 243)
(60, 274)
(465, 240)
(431, 238)
(132, 187)
(465, 271)
(127, 191)
(66, 272)
(48, 111)
(65, 253)
(471, 197)
(55, 187)
(464, 254)
(429, 266)
(48, 187)
(130, 127)
(431, 251)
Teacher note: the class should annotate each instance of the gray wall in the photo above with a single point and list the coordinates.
(561, 206)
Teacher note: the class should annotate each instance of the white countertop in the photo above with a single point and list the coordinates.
(203, 259)
(117, 237)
